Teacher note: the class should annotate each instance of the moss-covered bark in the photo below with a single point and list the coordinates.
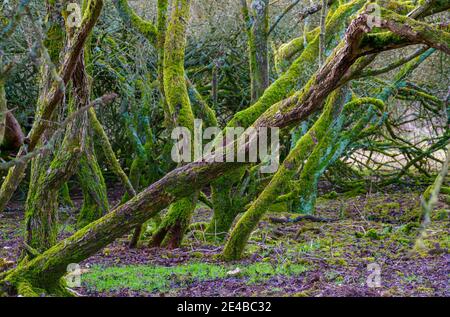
(294, 79)
(95, 199)
(277, 185)
(146, 28)
(3, 110)
(42, 224)
(171, 231)
(52, 99)
(89, 174)
(225, 206)
(64, 196)
(42, 201)
(256, 19)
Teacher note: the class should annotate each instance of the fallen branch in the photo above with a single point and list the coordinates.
(301, 218)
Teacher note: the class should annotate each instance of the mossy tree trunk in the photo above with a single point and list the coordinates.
(296, 76)
(95, 199)
(89, 174)
(256, 18)
(42, 226)
(42, 201)
(51, 100)
(171, 231)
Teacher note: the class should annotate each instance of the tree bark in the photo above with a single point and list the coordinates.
(51, 100)
(256, 19)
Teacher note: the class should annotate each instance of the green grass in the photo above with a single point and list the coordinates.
(161, 279)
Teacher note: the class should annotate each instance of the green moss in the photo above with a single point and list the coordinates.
(298, 75)
(330, 195)
(373, 234)
(225, 207)
(307, 293)
(25, 289)
(171, 231)
(386, 209)
(159, 279)
(409, 228)
(64, 195)
(146, 28)
(339, 261)
(441, 214)
(95, 199)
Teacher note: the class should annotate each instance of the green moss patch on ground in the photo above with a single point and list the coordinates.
(161, 279)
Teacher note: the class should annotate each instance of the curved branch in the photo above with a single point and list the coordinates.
(146, 28)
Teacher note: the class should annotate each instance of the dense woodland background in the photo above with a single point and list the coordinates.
(86, 120)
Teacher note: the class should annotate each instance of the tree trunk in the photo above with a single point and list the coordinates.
(171, 231)
(42, 200)
(95, 199)
(51, 101)
(257, 24)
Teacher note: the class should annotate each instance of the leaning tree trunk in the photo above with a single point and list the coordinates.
(296, 76)
(42, 200)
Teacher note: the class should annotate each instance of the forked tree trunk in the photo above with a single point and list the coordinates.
(42, 201)
(51, 101)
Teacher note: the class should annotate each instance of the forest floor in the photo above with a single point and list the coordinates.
(282, 259)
